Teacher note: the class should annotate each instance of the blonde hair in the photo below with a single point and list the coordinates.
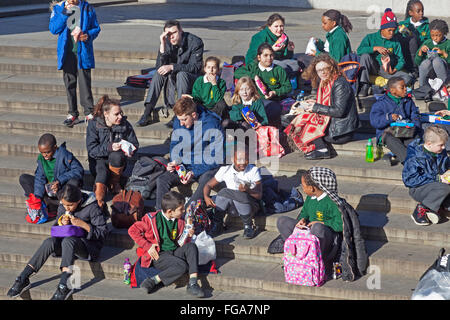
(433, 132)
(236, 99)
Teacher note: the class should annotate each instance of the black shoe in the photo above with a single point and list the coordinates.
(71, 121)
(364, 91)
(143, 122)
(195, 290)
(165, 112)
(388, 158)
(419, 216)
(148, 284)
(216, 229)
(18, 287)
(315, 155)
(249, 231)
(62, 293)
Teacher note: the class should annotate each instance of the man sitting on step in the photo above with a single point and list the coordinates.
(179, 63)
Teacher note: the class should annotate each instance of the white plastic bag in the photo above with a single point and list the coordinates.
(434, 285)
(311, 46)
(206, 248)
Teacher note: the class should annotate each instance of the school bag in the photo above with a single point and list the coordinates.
(303, 264)
(350, 67)
(140, 80)
(197, 211)
(36, 210)
(127, 208)
(269, 142)
(227, 73)
(144, 174)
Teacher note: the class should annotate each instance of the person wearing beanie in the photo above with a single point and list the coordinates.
(381, 54)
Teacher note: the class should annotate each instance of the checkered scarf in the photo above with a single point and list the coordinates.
(326, 180)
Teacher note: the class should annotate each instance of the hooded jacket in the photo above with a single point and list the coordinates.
(66, 167)
(88, 24)
(89, 211)
(421, 167)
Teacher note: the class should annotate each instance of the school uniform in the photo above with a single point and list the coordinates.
(418, 33)
(211, 96)
(257, 107)
(337, 44)
(434, 64)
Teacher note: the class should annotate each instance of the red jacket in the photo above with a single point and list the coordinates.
(145, 233)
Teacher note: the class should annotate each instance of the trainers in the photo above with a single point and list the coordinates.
(90, 116)
(18, 287)
(149, 285)
(62, 293)
(433, 217)
(165, 112)
(195, 290)
(419, 216)
(71, 121)
(216, 229)
(249, 232)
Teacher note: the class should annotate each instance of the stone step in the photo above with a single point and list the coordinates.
(34, 84)
(48, 68)
(235, 275)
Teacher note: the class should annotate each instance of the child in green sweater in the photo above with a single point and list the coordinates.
(246, 94)
(275, 83)
(209, 90)
(434, 55)
(412, 32)
(381, 54)
(337, 26)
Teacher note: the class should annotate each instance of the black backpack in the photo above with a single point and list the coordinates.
(424, 92)
(144, 174)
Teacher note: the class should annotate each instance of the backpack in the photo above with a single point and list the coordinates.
(303, 264)
(424, 92)
(350, 67)
(36, 210)
(127, 208)
(144, 174)
(140, 80)
(227, 73)
(196, 210)
(269, 142)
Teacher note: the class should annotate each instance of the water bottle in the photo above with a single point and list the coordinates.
(301, 96)
(127, 271)
(369, 151)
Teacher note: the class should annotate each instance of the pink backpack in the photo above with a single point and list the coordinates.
(303, 264)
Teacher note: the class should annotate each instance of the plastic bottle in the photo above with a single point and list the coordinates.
(188, 226)
(127, 271)
(301, 96)
(369, 151)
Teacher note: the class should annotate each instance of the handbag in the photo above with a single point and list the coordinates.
(401, 130)
(67, 231)
(127, 208)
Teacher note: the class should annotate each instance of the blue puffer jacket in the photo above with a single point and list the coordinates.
(66, 167)
(382, 110)
(88, 24)
(421, 167)
(201, 145)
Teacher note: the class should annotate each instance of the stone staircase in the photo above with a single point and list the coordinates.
(33, 101)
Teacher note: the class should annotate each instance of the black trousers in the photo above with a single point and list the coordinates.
(173, 264)
(100, 167)
(171, 179)
(409, 45)
(71, 74)
(68, 248)
(321, 142)
(220, 108)
(398, 146)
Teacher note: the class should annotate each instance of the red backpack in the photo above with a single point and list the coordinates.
(36, 210)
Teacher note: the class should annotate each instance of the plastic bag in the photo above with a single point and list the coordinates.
(206, 248)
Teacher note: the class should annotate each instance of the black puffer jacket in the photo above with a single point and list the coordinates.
(343, 112)
(100, 137)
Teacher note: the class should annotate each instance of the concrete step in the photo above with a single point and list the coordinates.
(34, 84)
(235, 275)
(48, 68)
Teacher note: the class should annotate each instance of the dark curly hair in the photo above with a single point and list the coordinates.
(440, 25)
(311, 73)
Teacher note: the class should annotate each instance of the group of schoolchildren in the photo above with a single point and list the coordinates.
(110, 140)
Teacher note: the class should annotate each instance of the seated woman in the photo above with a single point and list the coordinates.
(335, 109)
(272, 32)
(83, 212)
(108, 140)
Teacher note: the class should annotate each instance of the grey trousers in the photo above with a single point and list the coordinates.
(70, 75)
(432, 195)
(436, 64)
(371, 66)
(181, 81)
(327, 237)
(289, 65)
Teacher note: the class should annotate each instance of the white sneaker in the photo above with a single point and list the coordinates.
(433, 217)
(89, 117)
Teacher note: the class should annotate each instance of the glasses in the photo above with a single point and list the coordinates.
(324, 70)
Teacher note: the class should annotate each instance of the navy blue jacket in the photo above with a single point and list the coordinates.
(382, 110)
(66, 167)
(201, 146)
(88, 24)
(421, 168)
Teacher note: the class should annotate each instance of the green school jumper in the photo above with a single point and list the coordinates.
(49, 167)
(376, 40)
(167, 230)
(324, 210)
(422, 32)
(443, 45)
(339, 44)
(206, 94)
(256, 107)
(267, 36)
(275, 79)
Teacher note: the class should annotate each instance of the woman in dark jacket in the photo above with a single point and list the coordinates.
(82, 211)
(338, 103)
(108, 135)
